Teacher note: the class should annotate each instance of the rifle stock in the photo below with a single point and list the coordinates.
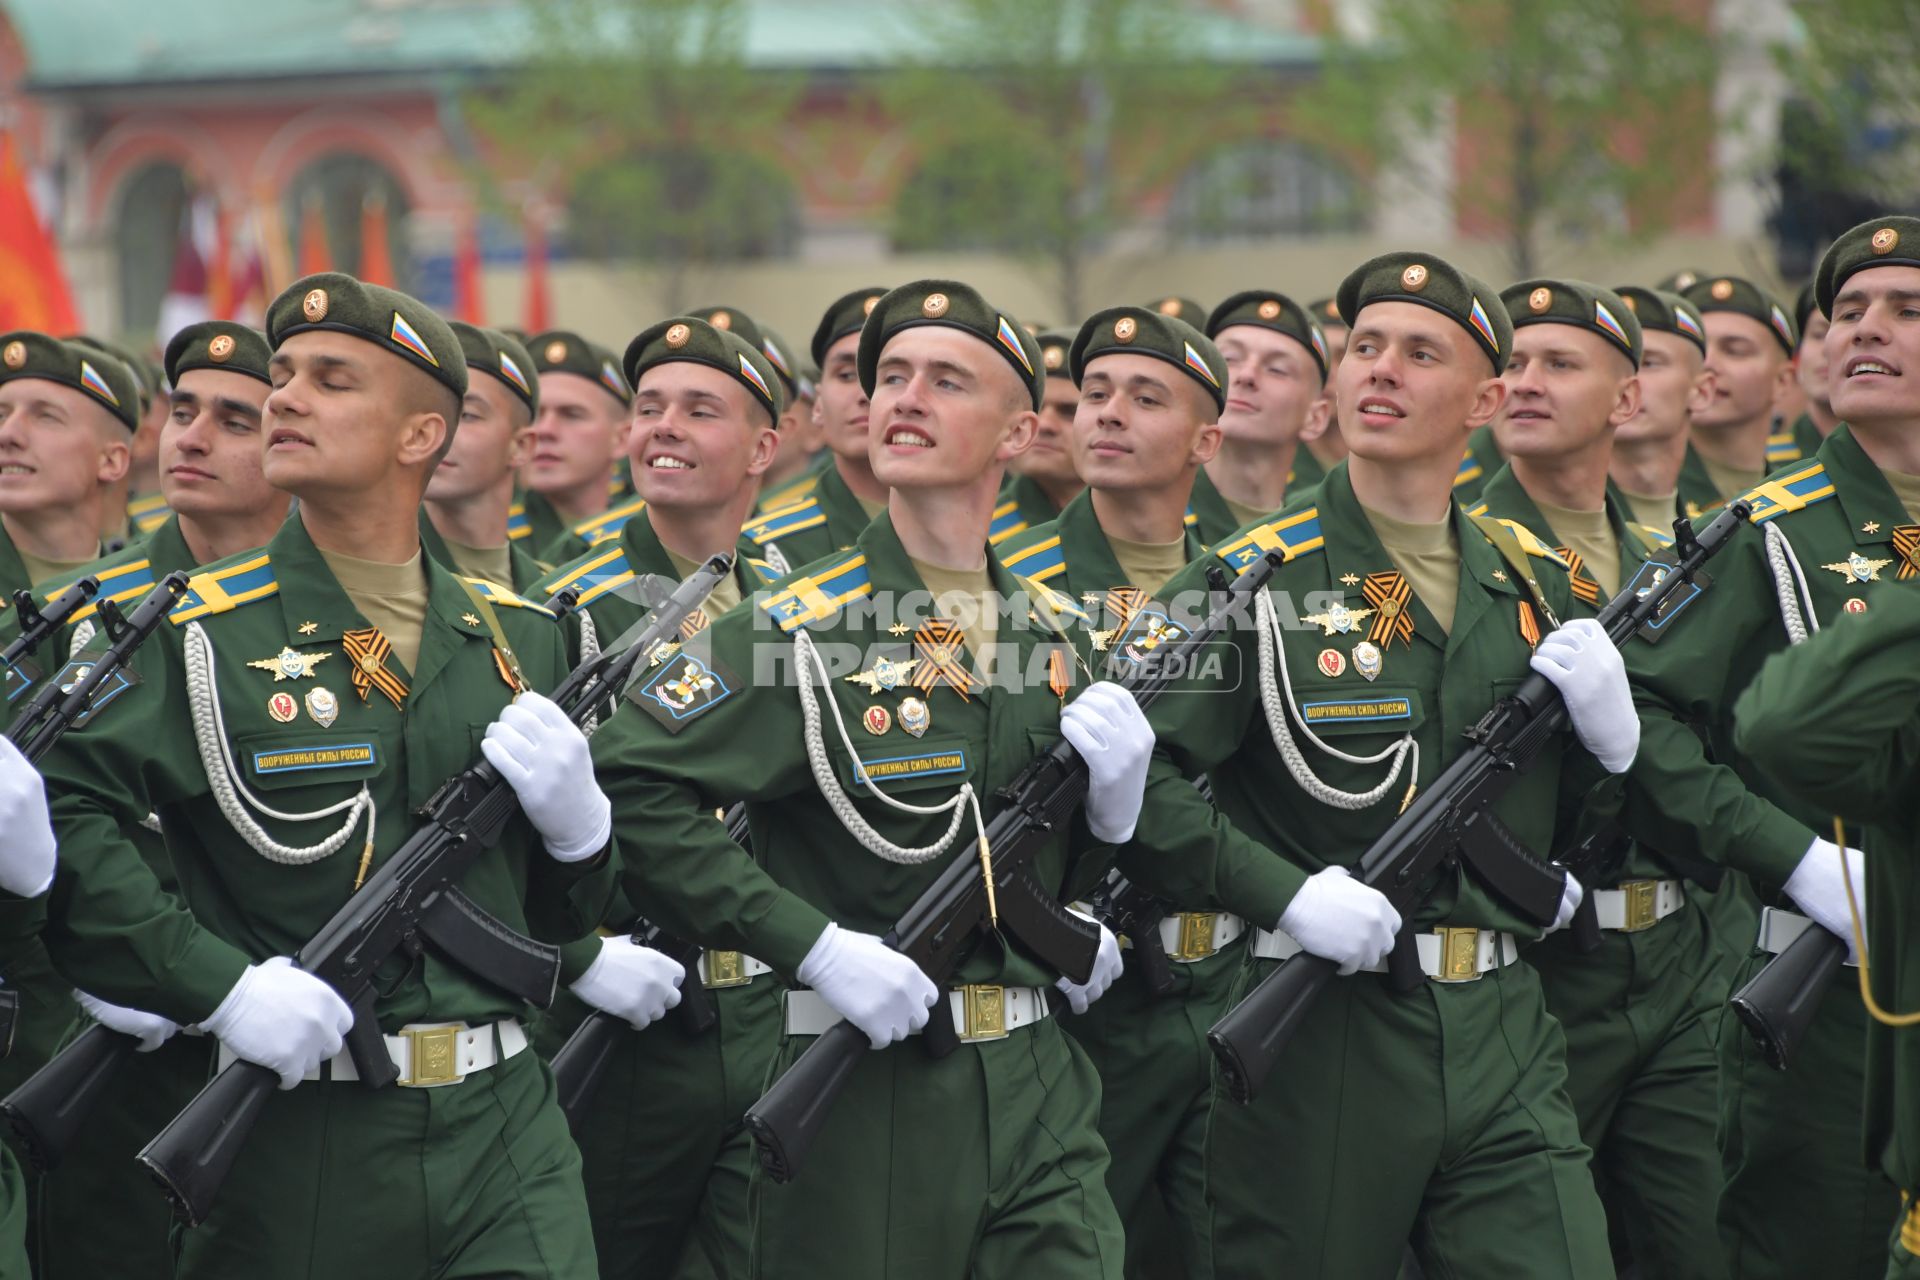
(1778, 1003)
(51, 1106)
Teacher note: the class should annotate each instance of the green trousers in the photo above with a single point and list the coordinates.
(1732, 914)
(1437, 1117)
(76, 1239)
(1644, 1082)
(663, 1155)
(985, 1164)
(1799, 1199)
(1156, 1086)
(458, 1182)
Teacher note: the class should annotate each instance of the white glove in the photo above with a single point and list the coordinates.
(632, 982)
(869, 984)
(282, 1018)
(26, 835)
(543, 756)
(1108, 729)
(1336, 916)
(1817, 887)
(1586, 668)
(1106, 967)
(150, 1029)
(1570, 895)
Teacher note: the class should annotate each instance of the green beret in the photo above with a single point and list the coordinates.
(506, 358)
(1579, 304)
(26, 354)
(1181, 309)
(950, 305)
(847, 314)
(1136, 331)
(787, 362)
(1680, 281)
(559, 351)
(1665, 311)
(1432, 282)
(221, 345)
(1327, 312)
(1744, 297)
(1892, 241)
(1803, 308)
(1056, 346)
(1266, 309)
(143, 379)
(696, 341)
(754, 334)
(389, 319)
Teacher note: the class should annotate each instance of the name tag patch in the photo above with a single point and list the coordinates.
(1357, 709)
(919, 765)
(343, 755)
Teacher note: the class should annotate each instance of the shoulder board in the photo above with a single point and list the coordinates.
(226, 589)
(494, 593)
(1794, 491)
(1043, 560)
(1192, 518)
(595, 574)
(1477, 509)
(1782, 448)
(148, 512)
(609, 522)
(1470, 470)
(122, 583)
(784, 497)
(1058, 604)
(764, 571)
(1530, 544)
(1295, 535)
(818, 596)
(1659, 539)
(518, 526)
(1006, 522)
(805, 514)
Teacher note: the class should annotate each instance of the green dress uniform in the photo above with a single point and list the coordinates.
(1837, 720)
(663, 1154)
(1797, 1202)
(1308, 472)
(526, 570)
(987, 1162)
(76, 1241)
(1439, 1115)
(1482, 460)
(1032, 507)
(1208, 515)
(533, 520)
(1637, 1012)
(796, 489)
(1150, 1049)
(475, 1178)
(1806, 438)
(825, 521)
(147, 512)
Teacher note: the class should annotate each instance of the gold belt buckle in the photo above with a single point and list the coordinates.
(983, 1012)
(726, 969)
(432, 1056)
(1459, 954)
(1640, 902)
(1196, 935)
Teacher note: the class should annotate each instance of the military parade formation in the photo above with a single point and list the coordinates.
(1413, 782)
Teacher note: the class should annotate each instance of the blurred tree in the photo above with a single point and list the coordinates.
(1581, 117)
(1042, 126)
(645, 119)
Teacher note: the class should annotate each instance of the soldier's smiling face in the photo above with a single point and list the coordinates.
(697, 436)
(1567, 387)
(946, 410)
(210, 456)
(1142, 424)
(1413, 386)
(1873, 347)
(345, 416)
(57, 445)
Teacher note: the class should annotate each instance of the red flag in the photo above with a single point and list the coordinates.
(537, 305)
(313, 238)
(220, 299)
(466, 274)
(376, 262)
(33, 288)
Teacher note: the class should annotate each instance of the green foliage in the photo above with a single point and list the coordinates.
(1856, 67)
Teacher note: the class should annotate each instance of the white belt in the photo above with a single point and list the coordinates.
(1447, 954)
(1189, 936)
(1779, 928)
(429, 1054)
(980, 1012)
(722, 969)
(1637, 904)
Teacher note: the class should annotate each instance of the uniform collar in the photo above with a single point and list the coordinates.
(1214, 519)
(13, 570)
(1698, 494)
(1862, 492)
(846, 518)
(1506, 497)
(647, 554)
(1092, 568)
(166, 549)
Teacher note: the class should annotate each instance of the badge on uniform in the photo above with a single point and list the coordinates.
(1147, 631)
(1650, 575)
(678, 692)
(886, 675)
(1391, 595)
(1338, 620)
(938, 644)
(21, 676)
(289, 664)
(117, 683)
(1366, 659)
(877, 720)
(914, 716)
(1858, 568)
(322, 706)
